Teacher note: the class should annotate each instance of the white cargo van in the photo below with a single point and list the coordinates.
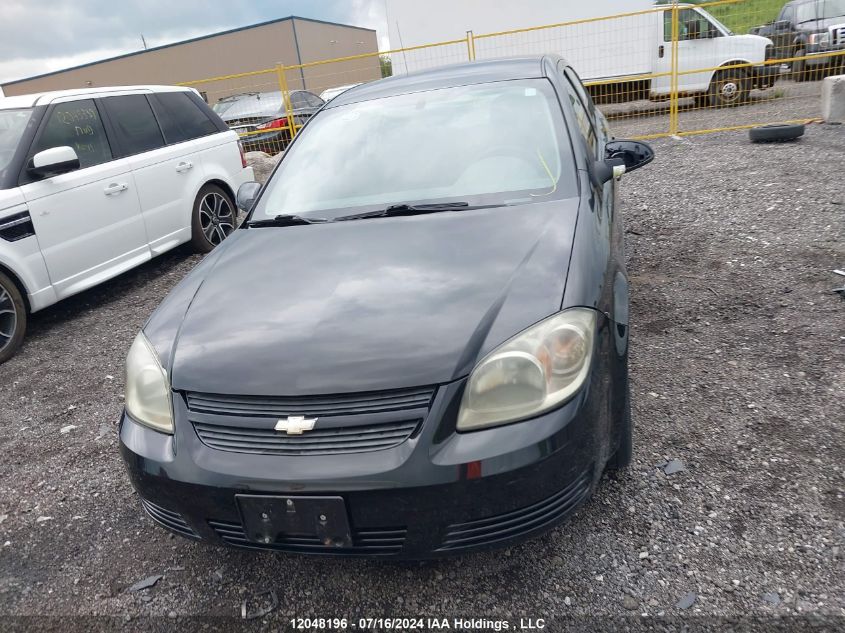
(621, 53)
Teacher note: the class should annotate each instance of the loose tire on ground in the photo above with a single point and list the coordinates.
(213, 218)
(12, 318)
(776, 133)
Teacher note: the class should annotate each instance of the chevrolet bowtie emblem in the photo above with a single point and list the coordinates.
(295, 424)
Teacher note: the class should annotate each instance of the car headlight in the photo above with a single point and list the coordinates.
(820, 38)
(535, 371)
(147, 387)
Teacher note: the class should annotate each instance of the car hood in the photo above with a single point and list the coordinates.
(10, 198)
(365, 305)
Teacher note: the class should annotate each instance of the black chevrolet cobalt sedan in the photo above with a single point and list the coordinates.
(416, 344)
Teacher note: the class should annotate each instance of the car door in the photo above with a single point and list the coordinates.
(696, 49)
(87, 221)
(166, 175)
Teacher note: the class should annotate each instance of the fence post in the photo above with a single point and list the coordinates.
(283, 86)
(470, 46)
(673, 80)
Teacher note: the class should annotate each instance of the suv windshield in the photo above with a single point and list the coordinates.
(820, 10)
(12, 126)
(495, 143)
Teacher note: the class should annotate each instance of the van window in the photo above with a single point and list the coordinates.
(692, 25)
(181, 119)
(134, 122)
(76, 124)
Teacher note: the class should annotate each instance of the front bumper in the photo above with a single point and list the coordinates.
(817, 55)
(436, 494)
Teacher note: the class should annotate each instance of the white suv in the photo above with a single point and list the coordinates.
(94, 182)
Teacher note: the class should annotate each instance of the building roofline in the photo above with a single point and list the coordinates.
(188, 41)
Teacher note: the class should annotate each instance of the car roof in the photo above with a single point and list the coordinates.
(43, 98)
(529, 67)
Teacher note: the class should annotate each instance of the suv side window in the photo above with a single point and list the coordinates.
(583, 105)
(787, 14)
(181, 119)
(134, 123)
(78, 125)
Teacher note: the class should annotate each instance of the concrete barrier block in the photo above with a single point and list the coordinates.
(833, 99)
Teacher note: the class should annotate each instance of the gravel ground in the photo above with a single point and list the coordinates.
(737, 370)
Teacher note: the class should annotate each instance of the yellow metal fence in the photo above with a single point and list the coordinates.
(672, 69)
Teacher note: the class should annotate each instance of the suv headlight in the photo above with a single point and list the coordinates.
(537, 370)
(820, 38)
(147, 387)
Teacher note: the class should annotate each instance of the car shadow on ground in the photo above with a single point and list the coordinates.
(133, 281)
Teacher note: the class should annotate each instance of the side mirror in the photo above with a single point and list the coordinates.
(54, 161)
(620, 158)
(247, 193)
(633, 154)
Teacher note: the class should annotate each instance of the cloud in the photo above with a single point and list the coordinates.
(37, 38)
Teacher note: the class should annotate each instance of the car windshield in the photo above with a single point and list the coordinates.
(493, 143)
(12, 125)
(820, 10)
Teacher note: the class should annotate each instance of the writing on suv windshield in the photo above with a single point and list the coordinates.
(485, 144)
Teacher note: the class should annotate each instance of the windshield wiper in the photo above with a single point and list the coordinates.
(286, 220)
(395, 210)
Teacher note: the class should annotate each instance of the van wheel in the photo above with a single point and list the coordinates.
(729, 88)
(213, 218)
(625, 451)
(12, 318)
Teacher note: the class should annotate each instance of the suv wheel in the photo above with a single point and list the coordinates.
(12, 318)
(213, 218)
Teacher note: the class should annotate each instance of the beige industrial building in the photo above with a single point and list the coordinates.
(289, 41)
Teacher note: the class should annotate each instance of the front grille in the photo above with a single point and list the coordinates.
(346, 423)
(321, 406)
(351, 439)
(837, 35)
(171, 520)
(518, 522)
(365, 541)
(16, 227)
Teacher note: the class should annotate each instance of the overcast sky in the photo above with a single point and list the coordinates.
(39, 37)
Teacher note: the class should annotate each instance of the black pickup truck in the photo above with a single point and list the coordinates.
(811, 29)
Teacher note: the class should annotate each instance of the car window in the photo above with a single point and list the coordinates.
(313, 100)
(787, 13)
(181, 119)
(76, 124)
(297, 100)
(582, 112)
(134, 123)
(447, 144)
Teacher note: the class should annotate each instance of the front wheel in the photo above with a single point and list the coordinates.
(12, 318)
(213, 218)
(729, 87)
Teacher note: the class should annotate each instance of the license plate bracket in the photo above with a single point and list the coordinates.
(271, 519)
